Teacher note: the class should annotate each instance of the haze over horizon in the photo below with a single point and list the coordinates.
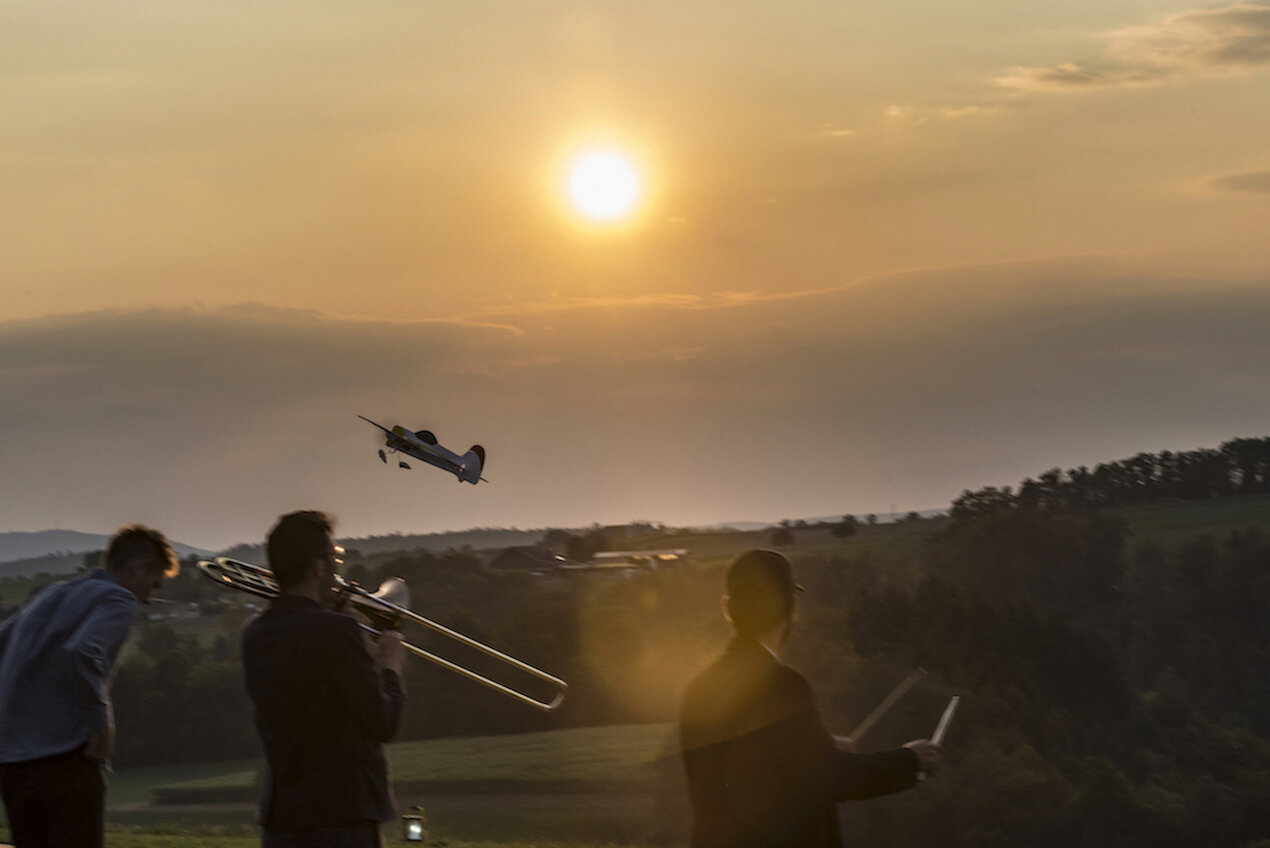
(882, 253)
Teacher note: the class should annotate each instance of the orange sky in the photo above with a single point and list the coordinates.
(886, 251)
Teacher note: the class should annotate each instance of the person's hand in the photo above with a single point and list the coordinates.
(339, 600)
(929, 754)
(389, 651)
(100, 743)
(845, 743)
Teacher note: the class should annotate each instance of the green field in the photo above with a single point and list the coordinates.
(588, 760)
(575, 788)
(1169, 522)
(124, 839)
(131, 787)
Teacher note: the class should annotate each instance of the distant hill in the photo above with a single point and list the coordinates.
(14, 546)
(479, 538)
(61, 563)
(57, 551)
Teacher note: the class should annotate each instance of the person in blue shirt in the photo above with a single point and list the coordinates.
(57, 659)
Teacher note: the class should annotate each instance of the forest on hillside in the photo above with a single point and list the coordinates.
(1115, 691)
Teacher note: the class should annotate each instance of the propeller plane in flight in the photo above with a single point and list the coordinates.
(422, 445)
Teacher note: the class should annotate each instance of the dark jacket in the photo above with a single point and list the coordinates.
(762, 770)
(323, 710)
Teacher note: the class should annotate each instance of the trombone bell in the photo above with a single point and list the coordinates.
(384, 608)
(393, 591)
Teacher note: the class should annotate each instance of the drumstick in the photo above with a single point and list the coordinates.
(945, 720)
(887, 702)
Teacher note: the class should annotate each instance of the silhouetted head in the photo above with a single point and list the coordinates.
(760, 598)
(139, 558)
(299, 547)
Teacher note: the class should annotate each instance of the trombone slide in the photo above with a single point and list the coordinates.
(379, 607)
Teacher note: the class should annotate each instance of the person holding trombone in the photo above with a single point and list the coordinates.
(324, 703)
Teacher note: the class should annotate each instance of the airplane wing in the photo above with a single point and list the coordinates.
(380, 426)
(438, 461)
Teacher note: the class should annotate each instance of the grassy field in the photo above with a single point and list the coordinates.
(117, 839)
(619, 753)
(505, 819)
(576, 788)
(1169, 522)
(123, 839)
(15, 590)
(131, 787)
(613, 759)
(561, 789)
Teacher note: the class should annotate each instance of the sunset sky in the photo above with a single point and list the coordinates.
(882, 252)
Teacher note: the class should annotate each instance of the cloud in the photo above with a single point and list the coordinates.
(1204, 42)
(967, 110)
(898, 389)
(834, 131)
(1072, 77)
(916, 116)
(1233, 36)
(1257, 182)
(911, 116)
(722, 299)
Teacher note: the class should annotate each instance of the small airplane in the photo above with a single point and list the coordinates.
(422, 445)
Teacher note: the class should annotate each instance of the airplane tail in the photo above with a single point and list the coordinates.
(473, 464)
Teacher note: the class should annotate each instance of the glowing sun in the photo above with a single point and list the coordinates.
(604, 185)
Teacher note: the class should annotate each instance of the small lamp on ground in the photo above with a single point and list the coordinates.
(413, 825)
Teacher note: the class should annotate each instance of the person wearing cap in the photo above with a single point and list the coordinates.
(761, 768)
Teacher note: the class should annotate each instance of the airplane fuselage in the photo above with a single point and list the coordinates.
(406, 442)
(423, 446)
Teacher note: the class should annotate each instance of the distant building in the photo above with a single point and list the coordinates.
(537, 560)
(615, 532)
(648, 560)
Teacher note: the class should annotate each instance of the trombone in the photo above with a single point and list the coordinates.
(384, 609)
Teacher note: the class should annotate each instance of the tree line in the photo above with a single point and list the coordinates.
(1110, 697)
(1236, 467)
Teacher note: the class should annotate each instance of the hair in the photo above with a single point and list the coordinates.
(136, 541)
(295, 542)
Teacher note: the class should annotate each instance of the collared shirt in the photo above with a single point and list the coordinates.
(775, 655)
(57, 658)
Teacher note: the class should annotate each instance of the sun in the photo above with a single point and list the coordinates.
(604, 185)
